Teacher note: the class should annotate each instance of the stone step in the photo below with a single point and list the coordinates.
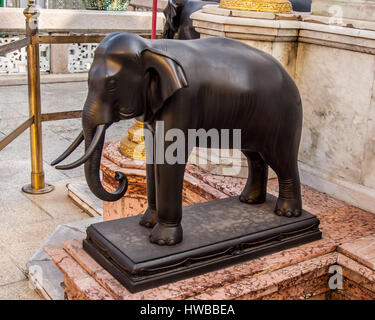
(44, 276)
(317, 270)
(84, 198)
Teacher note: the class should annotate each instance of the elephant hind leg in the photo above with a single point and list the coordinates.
(289, 202)
(256, 186)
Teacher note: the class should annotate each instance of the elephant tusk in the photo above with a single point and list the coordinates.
(68, 151)
(98, 135)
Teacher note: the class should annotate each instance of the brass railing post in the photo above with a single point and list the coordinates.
(38, 184)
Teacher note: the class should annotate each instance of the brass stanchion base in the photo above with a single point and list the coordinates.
(47, 188)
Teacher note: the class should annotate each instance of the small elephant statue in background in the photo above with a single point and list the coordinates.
(301, 5)
(177, 18)
(177, 14)
(213, 83)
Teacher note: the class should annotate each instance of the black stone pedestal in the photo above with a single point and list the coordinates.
(216, 234)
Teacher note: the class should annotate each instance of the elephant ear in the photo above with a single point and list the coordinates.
(164, 77)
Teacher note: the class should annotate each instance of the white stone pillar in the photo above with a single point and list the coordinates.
(59, 58)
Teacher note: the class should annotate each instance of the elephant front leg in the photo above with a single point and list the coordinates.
(256, 186)
(169, 182)
(150, 216)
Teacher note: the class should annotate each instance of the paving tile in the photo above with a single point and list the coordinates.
(25, 243)
(16, 210)
(18, 149)
(76, 172)
(118, 130)
(57, 97)
(8, 270)
(20, 290)
(14, 174)
(54, 145)
(20, 253)
(67, 129)
(58, 204)
(27, 237)
(14, 100)
(9, 124)
(61, 233)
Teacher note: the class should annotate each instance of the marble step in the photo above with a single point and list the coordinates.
(43, 274)
(84, 198)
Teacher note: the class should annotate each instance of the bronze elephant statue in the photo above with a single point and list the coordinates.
(213, 83)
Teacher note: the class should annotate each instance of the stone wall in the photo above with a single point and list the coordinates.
(135, 5)
(64, 58)
(349, 9)
(16, 63)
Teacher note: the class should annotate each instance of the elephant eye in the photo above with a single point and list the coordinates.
(111, 84)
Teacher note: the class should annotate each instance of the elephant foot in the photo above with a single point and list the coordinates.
(163, 234)
(253, 198)
(149, 218)
(288, 207)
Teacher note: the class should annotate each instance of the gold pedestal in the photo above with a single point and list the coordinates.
(276, 6)
(133, 146)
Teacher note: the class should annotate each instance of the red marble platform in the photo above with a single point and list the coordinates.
(298, 273)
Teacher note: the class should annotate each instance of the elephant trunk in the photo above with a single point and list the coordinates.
(92, 165)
